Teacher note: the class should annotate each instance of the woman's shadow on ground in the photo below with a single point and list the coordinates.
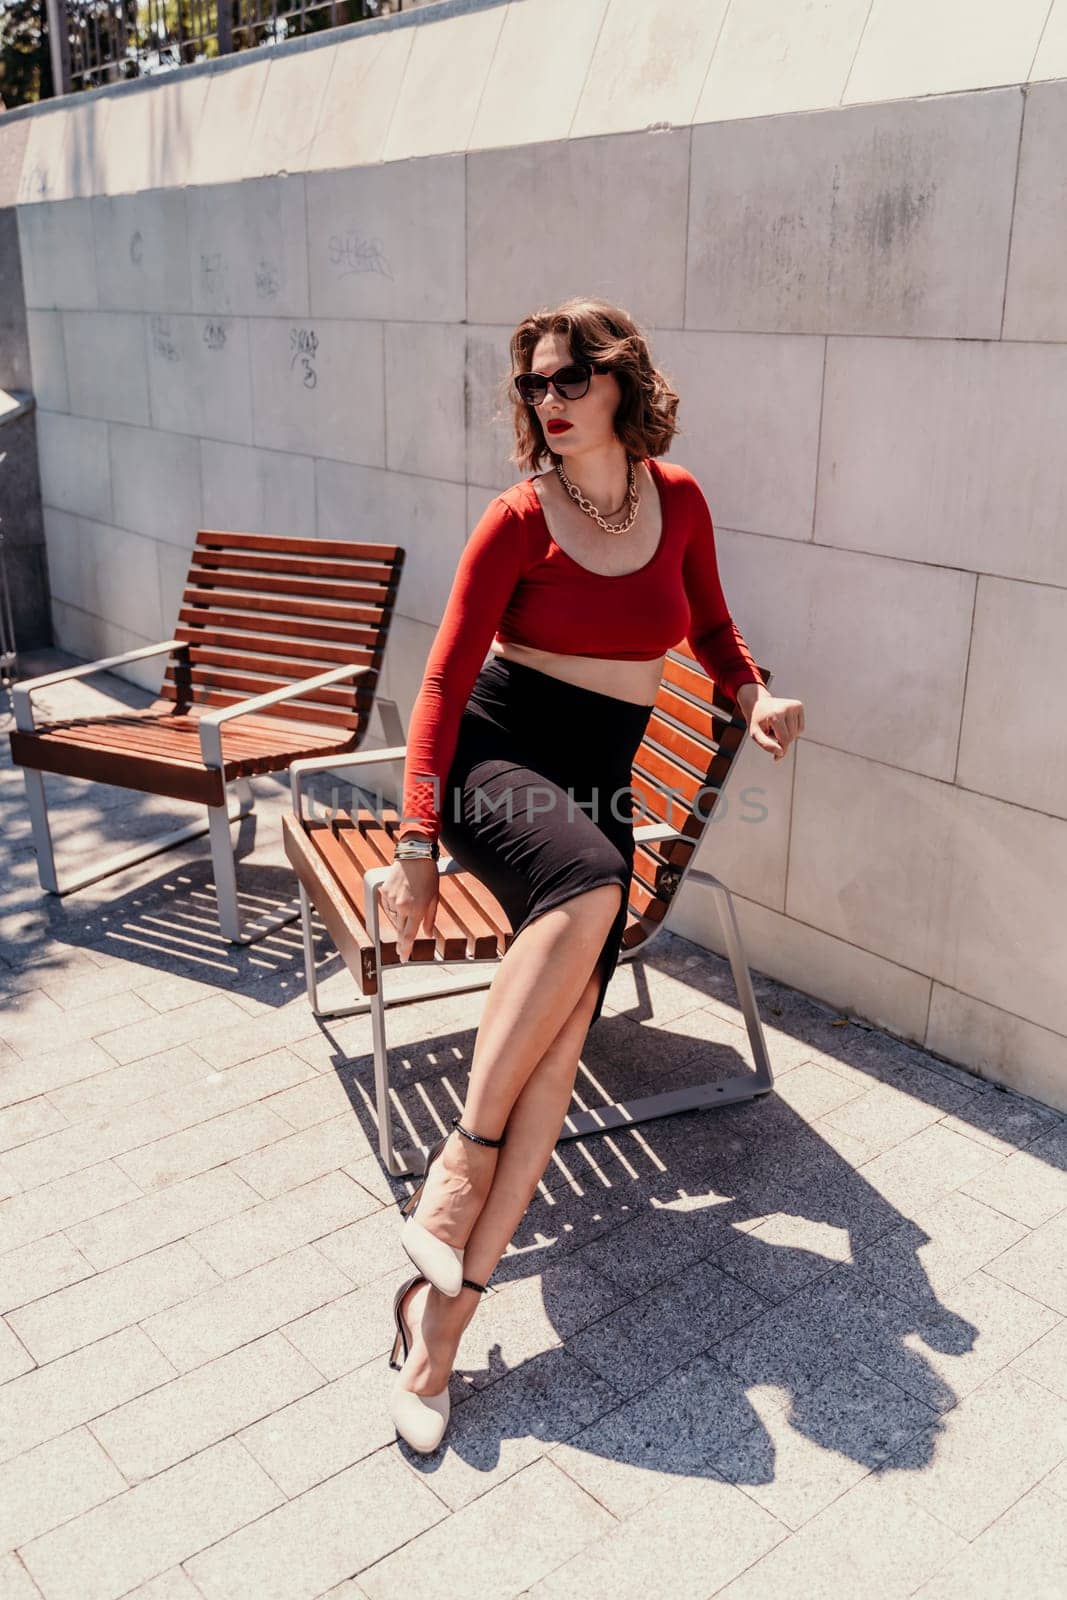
(678, 1291)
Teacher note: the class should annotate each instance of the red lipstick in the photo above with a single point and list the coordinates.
(557, 426)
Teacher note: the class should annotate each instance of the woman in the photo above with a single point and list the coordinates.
(578, 581)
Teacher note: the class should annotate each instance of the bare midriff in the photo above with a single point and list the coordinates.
(638, 681)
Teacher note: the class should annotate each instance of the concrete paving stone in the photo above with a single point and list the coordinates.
(870, 1541)
(570, 1293)
(943, 1244)
(812, 1091)
(53, 1483)
(39, 1269)
(66, 1029)
(50, 1069)
(672, 1431)
(927, 1166)
(996, 1118)
(303, 1444)
(237, 1039)
(200, 1022)
(655, 1246)
(326, 1535)
(1056, 1482)
(172, 1585)
(198, 1409)
(15, 1581)
(217, 1092)
(372, 1176)
(152, 1220)
(652, 1553)
(781, 1253)
(351, 1330)
(77, 1388)
(15, 1359)
(320, 1100)
(1030, 1185)
(32, 1119)
(107, 1092)
(476, 1552)
(300, 1216)
(205, 1145)
(152, 1527)
(1037, 1264)
(367, 1249)
(640, 1343)
(935, 1354)
(1023, 1554)
(881, 1118)
(237, 1311)
(292, 1159)
(842, 1199)
(173, 989)
(968, 1467)
(84, 983)
(86, 1144)
(1045, 1361)
(812, 1450)
(110, 1301)
(513, 1422)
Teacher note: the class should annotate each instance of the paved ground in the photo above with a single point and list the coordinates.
(812, 1346)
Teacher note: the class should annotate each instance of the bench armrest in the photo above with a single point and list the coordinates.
(21, 692)
(656, 832)
(362, 758)
(210, 724)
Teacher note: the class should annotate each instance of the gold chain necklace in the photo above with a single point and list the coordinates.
(590, 509)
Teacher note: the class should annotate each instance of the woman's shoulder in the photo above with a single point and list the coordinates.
(672, 472)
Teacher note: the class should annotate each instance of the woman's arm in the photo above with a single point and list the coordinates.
(713, 636)
(493, 561)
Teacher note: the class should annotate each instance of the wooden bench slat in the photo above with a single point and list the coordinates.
(298, 566)
(364, 635)
(214, 539)
(364, 613)
(224, 584)
(316, 644)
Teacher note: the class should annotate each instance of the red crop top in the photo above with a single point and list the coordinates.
(514, 583)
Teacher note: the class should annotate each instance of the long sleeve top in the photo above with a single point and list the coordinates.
(514, 583)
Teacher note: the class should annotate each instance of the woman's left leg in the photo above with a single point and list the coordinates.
(533, 1127)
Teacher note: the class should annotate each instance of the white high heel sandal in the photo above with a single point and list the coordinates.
(419, 1419)
(440, 1263)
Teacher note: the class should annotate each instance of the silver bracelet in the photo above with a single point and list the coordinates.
(416, 850)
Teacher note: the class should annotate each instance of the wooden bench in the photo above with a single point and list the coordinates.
(341, 858)
(276, 655)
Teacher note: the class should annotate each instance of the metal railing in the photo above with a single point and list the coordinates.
(108, 41)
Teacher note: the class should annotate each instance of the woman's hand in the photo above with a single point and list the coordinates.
(773, 722)
(409, 894)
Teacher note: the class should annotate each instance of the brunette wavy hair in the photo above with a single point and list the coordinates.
(608, 338)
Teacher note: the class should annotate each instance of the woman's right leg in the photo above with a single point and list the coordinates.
(543, 976)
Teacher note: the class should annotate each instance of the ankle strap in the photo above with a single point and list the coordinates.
(469, 1283)
(476, 1138)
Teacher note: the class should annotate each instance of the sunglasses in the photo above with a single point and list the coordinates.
(569, 382)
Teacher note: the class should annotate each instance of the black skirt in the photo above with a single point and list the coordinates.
(537, 803)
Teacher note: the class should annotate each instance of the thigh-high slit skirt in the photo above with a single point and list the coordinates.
(537, 803)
